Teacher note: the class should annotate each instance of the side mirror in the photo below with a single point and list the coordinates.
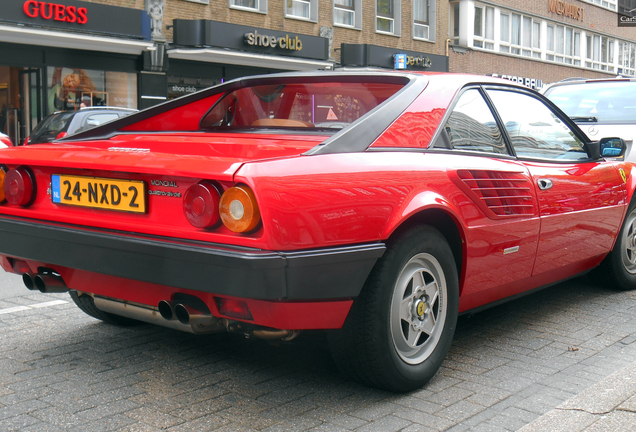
(612, 147)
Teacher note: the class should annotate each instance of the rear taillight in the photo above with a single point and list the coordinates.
(239, 210)
(201, 205)
(61, 135)
(19, 186)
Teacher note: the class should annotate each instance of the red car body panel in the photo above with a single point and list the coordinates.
(315, 207)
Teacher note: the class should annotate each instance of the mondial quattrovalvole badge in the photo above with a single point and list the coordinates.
(623, 175)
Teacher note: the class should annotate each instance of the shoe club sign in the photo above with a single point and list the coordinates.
(73, 15)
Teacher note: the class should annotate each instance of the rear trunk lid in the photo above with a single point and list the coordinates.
(165, 165)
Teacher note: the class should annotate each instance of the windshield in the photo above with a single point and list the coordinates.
(605, 102)
(49, 128)
(305, 106)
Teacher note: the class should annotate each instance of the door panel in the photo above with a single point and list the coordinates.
(581, 202)
(580, 213)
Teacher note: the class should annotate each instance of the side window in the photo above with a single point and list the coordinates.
(471, 126)
(535, 130)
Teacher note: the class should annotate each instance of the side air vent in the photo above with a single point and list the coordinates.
(499, 194)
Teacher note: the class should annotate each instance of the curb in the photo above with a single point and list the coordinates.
(607, 405)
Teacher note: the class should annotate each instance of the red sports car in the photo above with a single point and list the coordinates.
(374, 205)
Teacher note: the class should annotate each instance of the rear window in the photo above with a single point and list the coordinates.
(607, 102)
(49, 128)
(324, 106)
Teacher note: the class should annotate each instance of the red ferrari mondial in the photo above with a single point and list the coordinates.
(376, 206)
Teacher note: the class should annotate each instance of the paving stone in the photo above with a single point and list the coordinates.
(618, 421)
(388, 423)
(507, 366)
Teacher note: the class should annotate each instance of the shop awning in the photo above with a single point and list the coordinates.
(36, 36)
(241, 58)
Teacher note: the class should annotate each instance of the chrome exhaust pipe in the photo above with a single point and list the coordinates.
(27, 279)
(151, 315)
(190, 315)
(49, 283)
(284, 335)
(166, 310)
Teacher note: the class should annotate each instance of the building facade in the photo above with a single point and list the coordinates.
(137, 53)
(541, 41)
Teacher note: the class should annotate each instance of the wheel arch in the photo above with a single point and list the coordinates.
(445, 223)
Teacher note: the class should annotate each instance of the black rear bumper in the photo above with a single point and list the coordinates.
(331, 273)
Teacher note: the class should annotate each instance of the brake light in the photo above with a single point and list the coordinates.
(201, 204)
(233, 308)
(239, 210)
(61, 135)
(19, 186)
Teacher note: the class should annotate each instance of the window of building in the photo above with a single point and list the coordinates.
(347, 13)
(302, 9)
(627, 58)
(519, 34)
(250, 5)
(609, 4)
(484, 27)
(387, 14)
(455, 21)
(423, 19)
(600, 53)
(563, 44)
(70, 89)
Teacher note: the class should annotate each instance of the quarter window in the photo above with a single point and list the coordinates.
(472, 127)
(535, 131)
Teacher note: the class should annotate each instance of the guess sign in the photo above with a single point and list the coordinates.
(56, 12)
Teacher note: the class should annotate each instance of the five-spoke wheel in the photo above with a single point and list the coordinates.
(401, 326)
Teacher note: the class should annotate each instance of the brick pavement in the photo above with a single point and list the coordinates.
(61, 370)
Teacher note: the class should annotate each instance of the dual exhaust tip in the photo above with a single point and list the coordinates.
(185, 314)
(46, 281)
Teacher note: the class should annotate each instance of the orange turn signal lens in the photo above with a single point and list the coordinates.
(2, 174)
(239, 210)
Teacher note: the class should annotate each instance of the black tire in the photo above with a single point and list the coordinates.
(86, 304)
(620, 264)
(384, 340)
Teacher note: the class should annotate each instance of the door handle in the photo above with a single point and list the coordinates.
(544, 184)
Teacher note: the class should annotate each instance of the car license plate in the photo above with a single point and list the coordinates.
(102, 193)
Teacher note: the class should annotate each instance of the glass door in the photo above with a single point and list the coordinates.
(31, 101)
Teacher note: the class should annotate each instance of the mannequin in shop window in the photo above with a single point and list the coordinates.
(66, 93)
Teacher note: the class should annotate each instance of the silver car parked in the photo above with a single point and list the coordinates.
(601, 107)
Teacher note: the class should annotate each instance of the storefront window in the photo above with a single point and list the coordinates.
(181, 86)
(72, 89)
